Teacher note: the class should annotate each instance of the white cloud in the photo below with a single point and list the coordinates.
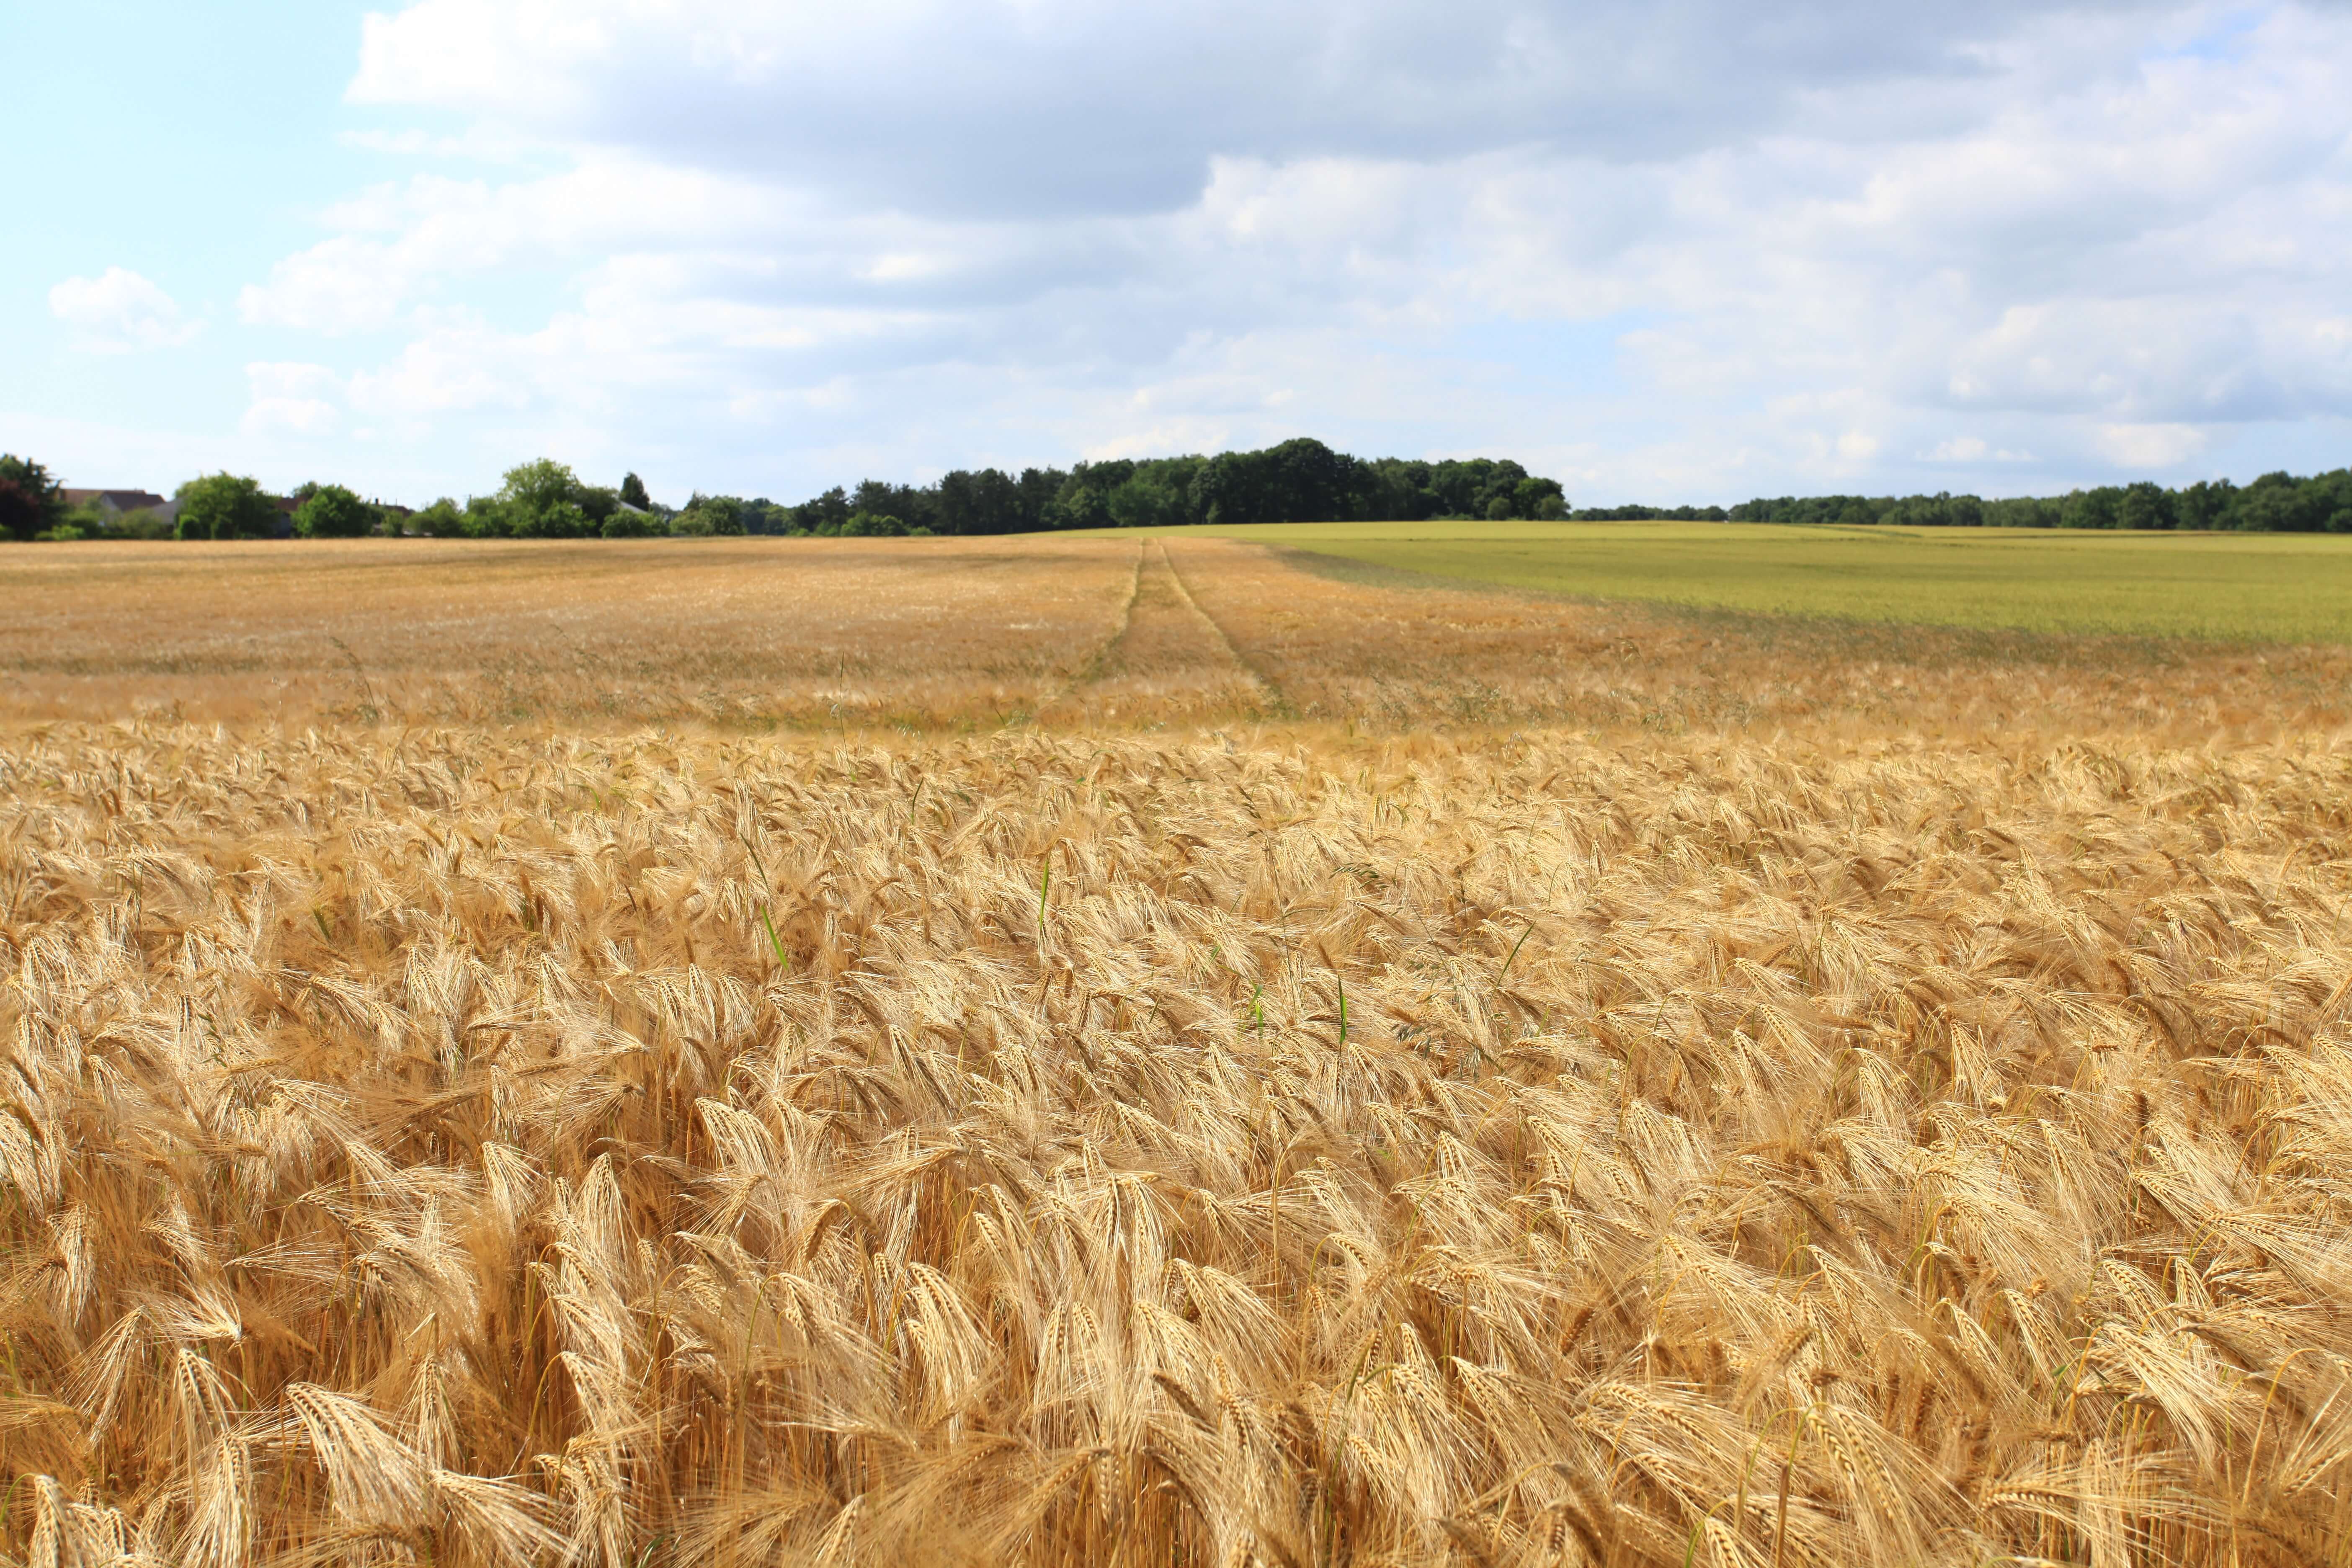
(2152, 446)
(291, 399)
(1690, 248)
(341, 285)
(118, 312)
(402, 242)
(1973, 449)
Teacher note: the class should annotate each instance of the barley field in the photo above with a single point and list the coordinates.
(1124, 1052)
(2251, 587)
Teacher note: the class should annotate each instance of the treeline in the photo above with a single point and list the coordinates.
(34, 506)
(2275, 503)
(1298, 482)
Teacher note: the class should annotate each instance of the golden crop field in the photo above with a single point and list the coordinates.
(1114, 1052)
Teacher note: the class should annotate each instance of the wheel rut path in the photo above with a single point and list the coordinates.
(1168, 658)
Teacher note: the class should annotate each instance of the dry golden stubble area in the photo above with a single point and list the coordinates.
(745, 631)
(1763, 1148)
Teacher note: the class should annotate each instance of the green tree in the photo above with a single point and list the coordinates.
(597, 503)
(2093, 508)
(1079, 505)
(2020, 512)
(633, 492)
(2208, 504)
(485, 517)
(1146, 500)
(2280, 503)
(2333, 494)
(1536, 496)
(985, 502)
(823, 514)
(331, 512)
(442, 520)
(716, 514)
(540, 499)
(226, 506)
(31, 501)
(2145, 505)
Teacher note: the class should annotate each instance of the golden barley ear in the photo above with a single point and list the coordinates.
(1877, 1152)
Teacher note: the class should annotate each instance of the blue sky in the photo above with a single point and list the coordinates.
(1684, 249)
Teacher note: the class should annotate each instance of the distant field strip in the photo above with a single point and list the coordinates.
(741, 630)
(1062, 630)
(2286, 588)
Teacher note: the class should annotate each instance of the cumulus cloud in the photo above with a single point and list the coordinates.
(1025, 108)
(1689, 249)
(1974, 449)
(118, 312)
(291, 399)
(2152, 446)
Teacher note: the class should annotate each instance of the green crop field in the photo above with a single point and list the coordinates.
(2267, 587)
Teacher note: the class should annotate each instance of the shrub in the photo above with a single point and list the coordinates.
(226, 506)
(145, 523)
(721, 514)
(442, 520)
(331, 512)
(564, 520)
(487, 517)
